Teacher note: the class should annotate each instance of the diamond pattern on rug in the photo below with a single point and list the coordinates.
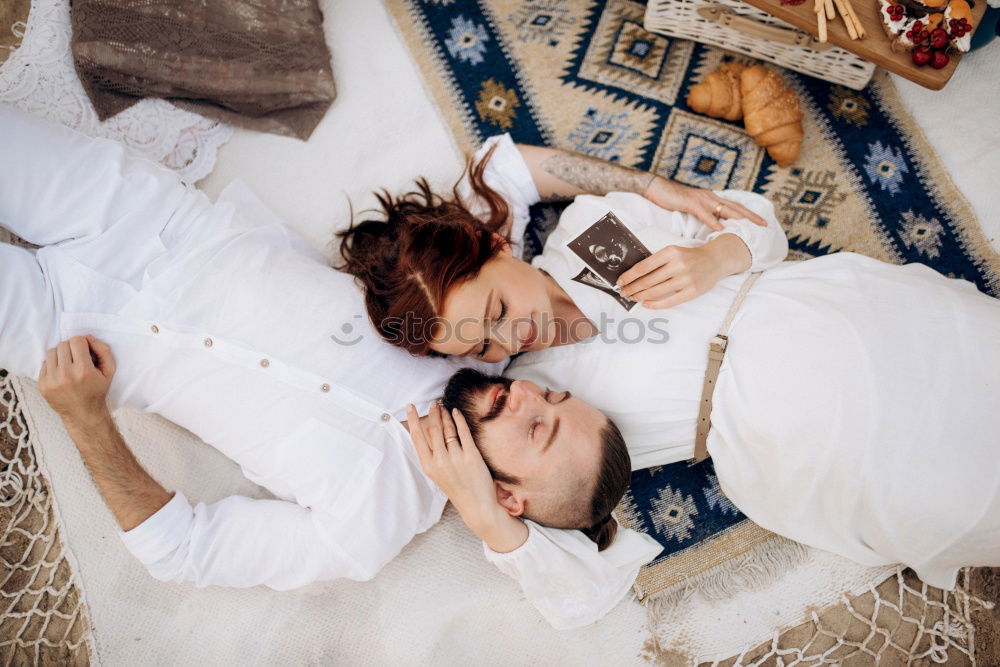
(706, 153)
(622, 54)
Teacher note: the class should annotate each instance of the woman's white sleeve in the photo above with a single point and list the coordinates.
(768, 245)
(508, 174)
(568, 580)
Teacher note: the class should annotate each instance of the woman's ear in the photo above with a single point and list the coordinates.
(509, 499)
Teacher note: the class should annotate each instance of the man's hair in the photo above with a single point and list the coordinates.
(593, 516)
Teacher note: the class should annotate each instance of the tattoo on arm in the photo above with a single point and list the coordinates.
(593, 176)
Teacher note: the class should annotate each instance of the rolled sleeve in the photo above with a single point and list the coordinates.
(768, 245)
(162, 533)
(567, 579)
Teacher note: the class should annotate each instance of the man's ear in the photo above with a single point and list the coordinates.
(509, 498)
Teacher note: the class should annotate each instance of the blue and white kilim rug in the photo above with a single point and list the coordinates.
(586, 76)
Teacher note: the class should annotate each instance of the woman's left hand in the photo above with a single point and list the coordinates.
(676, 274)
(702, 204)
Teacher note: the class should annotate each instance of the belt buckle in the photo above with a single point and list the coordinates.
(719, 343)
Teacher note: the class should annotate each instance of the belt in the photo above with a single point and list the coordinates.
(716, 352)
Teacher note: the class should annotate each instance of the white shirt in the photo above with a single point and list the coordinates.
(315, 421)
(225, 322)
(855, 410)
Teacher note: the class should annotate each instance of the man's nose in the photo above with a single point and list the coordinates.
(522, 394)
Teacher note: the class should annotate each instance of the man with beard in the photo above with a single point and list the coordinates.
(854, 411)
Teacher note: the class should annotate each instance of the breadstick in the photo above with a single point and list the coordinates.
(848, 23)
(854, 17)
(830, 14)
(821, 18)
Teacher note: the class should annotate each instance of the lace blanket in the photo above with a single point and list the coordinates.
(39, 78)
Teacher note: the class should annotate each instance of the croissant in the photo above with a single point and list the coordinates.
(771, 114)
(718, 95)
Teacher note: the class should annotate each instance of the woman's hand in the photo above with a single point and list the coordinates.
(449, 456)
(700, 203)
(675, 274)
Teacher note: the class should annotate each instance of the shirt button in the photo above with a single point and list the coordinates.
(325, 388)
(154, 329)
(208, 342)
(386, 417)
(264, 363)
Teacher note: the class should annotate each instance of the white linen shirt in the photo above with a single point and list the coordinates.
(224, 321)
(826, 426)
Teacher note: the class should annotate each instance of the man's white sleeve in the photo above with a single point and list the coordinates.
(568, 580)
(241, 542)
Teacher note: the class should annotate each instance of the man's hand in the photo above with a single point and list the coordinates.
(75, 378)
(700, 203)
(674, 274)
(449, 456)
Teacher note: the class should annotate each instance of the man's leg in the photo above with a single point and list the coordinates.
(27, 312)
(57, 184)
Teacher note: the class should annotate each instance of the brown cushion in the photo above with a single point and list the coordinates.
(260, 65)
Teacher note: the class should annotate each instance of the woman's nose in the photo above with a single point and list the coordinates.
(522, 330)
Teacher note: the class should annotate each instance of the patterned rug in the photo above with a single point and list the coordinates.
(587, 77)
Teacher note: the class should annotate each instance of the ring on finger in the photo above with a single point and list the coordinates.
(450, 438)
(718, 209)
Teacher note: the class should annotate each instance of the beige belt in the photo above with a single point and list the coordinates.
(716, 351)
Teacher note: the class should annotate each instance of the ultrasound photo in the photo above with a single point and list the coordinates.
(609, 248)
(588, 277)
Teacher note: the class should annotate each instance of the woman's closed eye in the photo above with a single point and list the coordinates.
(488, 343)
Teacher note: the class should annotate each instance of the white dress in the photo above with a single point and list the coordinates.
(857, 409)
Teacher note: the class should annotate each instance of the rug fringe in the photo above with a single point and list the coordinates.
(759, 567)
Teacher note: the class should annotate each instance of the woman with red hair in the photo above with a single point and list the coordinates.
(415, 259)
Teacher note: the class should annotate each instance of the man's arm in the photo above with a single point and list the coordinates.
(237, 541)
(76, 387)
(561, 175)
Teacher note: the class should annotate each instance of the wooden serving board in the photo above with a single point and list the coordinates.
(875, 47)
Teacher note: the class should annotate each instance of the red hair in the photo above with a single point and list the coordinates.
(421, 247)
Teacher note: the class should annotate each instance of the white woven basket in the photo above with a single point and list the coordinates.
(737, 26)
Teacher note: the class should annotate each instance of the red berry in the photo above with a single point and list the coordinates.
(917, 25)
(939, 38)
(921, 56)
(939, 59)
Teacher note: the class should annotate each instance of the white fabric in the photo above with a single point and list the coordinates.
(39, 77)
(855, 410)
(258, 347)
(568, 580)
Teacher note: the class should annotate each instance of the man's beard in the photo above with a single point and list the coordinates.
(463, 389)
